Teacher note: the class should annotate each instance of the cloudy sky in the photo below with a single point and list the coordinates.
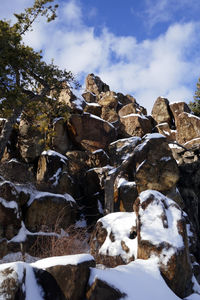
(147, 48)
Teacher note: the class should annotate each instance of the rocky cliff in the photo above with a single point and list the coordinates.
(109, 157)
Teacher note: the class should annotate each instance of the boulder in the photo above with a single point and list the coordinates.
(164, 129)
(77, 163)
(113, 241)
(161, 111)
(70, 272)
(134, 125)
(188, 185)
(98, 159)
(30, 140)
(102, 290)
(177, 108)
(50, 212)
(93, 108)
(161, 231)
(90, 132)
(52, 173)
(125, 194)
(9, 219)
(95, 85)
(121, 149)
(109, 103)
(60, 139)
(16, 171)
(156, 168)
(95, 178)
(131, 108)
(188, 127)
(70, 100)
(89, 97)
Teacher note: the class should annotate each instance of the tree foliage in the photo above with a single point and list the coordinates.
(195, 105)
(26, 81)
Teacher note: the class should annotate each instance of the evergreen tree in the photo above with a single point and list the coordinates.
(195, 105)
(26, 81)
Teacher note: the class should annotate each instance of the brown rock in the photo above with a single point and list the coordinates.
(52, 173)
(161, 111)
(72, 103)
(91, 132)
(9, 219)
(158, 235)
(31, 140)
(99, 159)
(109, 103)
(50, 212)
(164, 129)
(134, 125)
(68, 276)
(177, 108)
(93, 108)
(77, 163)
(8, 191)
(89, 97)
(95, 85)
(60, 139)
(121, 149)
(156, 168)
(15, 171)
(102, 290)
(188, 127)
(127, 194)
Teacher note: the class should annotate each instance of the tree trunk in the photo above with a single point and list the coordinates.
(7, 130)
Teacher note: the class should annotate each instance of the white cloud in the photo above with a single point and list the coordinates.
(163, 66)
(159, 11)
(9, 7)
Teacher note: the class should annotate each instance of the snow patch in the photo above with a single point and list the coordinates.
(120, 225)
(62, 260)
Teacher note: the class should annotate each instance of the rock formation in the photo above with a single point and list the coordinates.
(109, 157)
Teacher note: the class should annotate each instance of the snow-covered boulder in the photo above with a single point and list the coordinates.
(70, 272)
(161, 232)
(113, 241)
(59, 278)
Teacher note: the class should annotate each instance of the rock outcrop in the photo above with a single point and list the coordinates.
(109, 157)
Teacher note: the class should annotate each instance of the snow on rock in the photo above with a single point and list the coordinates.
(19, 278)
(140, 279)
(154, 225)
(62, 260)
(161, 231)
(113, 240)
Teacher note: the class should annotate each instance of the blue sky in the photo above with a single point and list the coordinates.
(147, 48)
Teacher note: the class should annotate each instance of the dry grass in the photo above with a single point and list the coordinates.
(71, 241)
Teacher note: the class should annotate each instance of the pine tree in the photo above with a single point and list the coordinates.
(195, 105)
(26, 81)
